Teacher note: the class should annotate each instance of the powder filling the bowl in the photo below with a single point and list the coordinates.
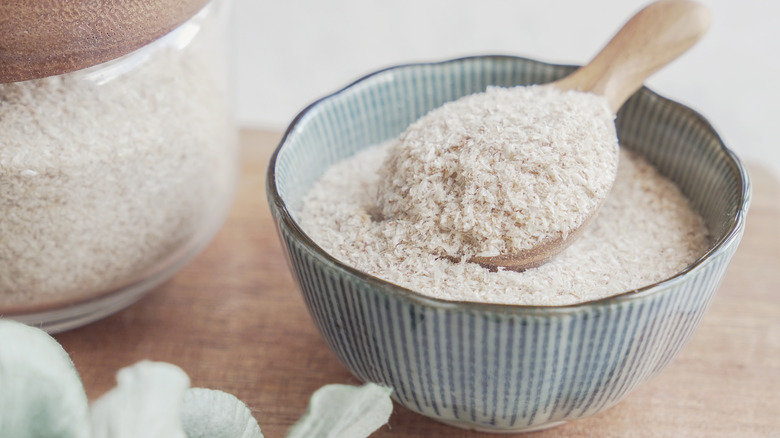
(645, 232)
(502, 171)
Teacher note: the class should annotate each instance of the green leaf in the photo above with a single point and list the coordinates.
(41, 395)
(344, 411)
(146, 403)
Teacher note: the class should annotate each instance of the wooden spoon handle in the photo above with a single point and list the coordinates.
(652, 38)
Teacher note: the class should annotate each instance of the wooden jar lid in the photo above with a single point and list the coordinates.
(40, 38)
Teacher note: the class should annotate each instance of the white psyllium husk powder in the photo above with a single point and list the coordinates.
(645, 232)
(501, 171)
(101, 182)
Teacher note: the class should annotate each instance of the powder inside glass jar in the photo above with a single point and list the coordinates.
(110, 174)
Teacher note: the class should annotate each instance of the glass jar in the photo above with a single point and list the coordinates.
(112, 175)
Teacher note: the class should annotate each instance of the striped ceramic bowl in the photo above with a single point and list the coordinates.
(501, 368)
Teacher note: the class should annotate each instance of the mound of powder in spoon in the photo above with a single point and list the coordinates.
(501, 171)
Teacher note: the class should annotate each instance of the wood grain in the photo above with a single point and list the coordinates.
(234, 320)
(40, 38)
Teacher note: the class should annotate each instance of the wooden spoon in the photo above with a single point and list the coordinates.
(652, 38)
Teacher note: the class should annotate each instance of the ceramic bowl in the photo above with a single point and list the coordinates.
(489, 367)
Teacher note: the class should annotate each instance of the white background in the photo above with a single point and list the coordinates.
(289, 53)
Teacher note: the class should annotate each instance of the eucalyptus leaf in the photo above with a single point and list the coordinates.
(146, 403)
(344, 411)
(209, 413)
(41, 395)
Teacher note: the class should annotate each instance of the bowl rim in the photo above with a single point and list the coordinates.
(715, 248)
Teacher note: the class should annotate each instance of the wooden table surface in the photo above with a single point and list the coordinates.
(234, 320)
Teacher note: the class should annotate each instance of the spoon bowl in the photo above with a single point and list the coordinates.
(651, 39)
